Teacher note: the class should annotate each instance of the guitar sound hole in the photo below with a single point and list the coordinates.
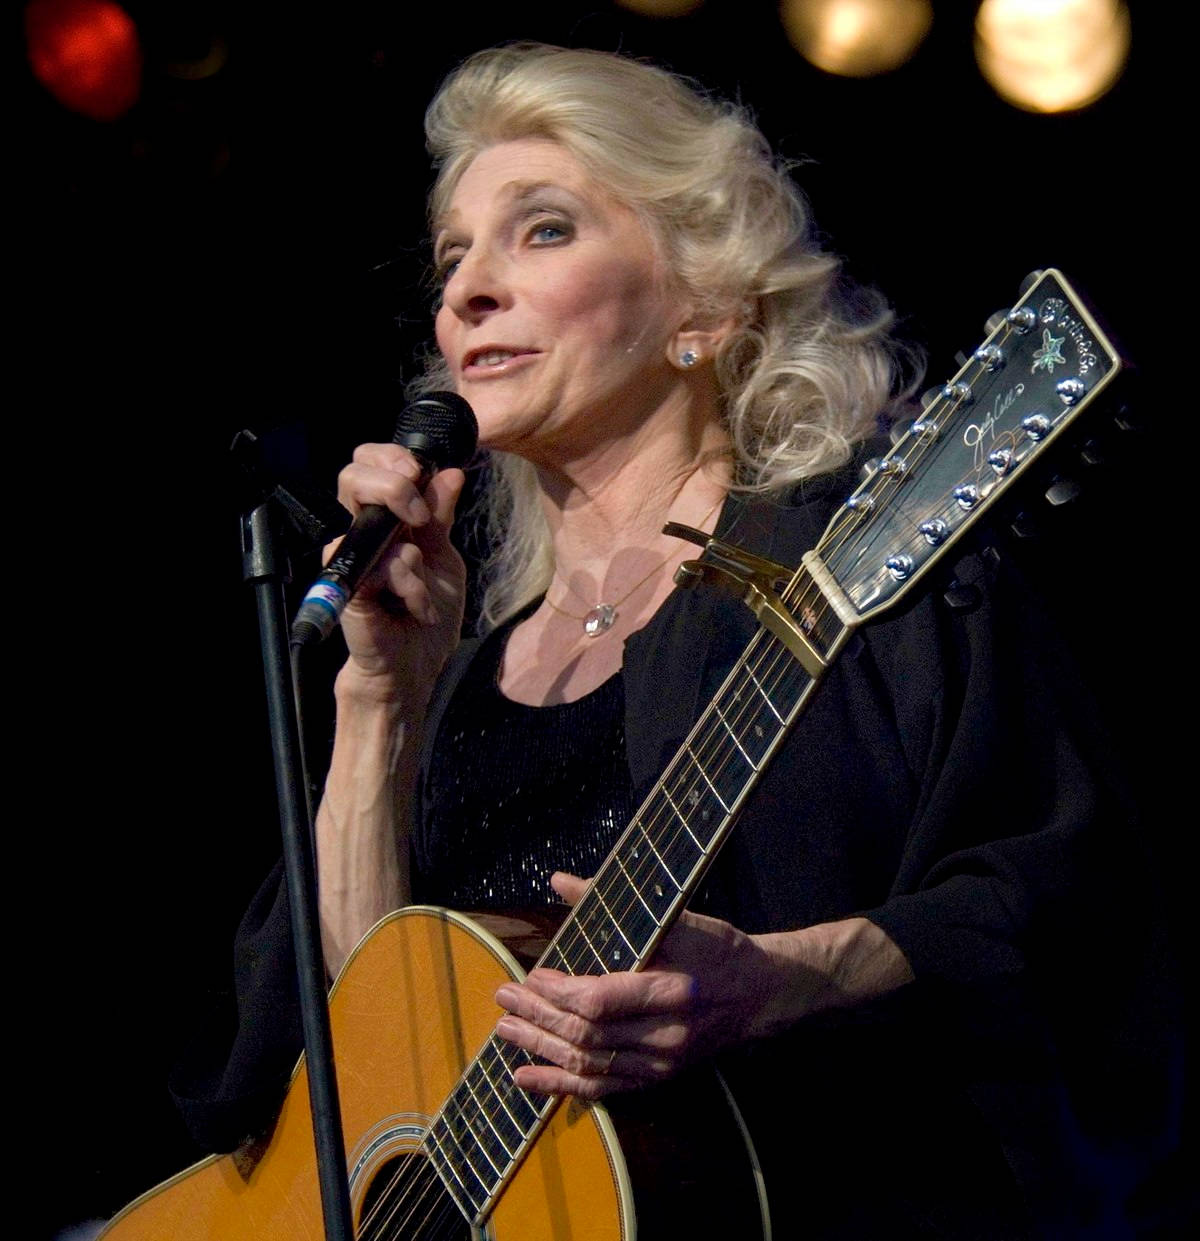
(406, 1201)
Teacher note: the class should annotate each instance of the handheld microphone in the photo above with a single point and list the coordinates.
(439, 430)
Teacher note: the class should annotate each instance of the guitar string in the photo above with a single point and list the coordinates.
(373, 1227)
(538, 1111)
(564, 947)
(709, 748)
(831, 545)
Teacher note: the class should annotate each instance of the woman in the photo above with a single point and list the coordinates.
(593, 352)
(633, 308)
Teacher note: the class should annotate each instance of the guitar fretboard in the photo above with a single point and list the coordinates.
(488, 1122)
(1043, 362)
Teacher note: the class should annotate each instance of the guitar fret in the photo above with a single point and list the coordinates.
(741, 749)
(562, 960)
(509, 1092)
(467, 1142)
(636, 890)
(486, 1115)
(615, 954)
(463, 1195)
(578, 922)
(682, 818)
(704, 776)
(765, 696)
(661, 861)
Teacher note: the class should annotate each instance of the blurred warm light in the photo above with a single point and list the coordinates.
(661, 8)
(856, 38)
(86, 53)
(1051, 55)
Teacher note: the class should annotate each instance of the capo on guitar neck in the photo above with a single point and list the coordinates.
(754, 580)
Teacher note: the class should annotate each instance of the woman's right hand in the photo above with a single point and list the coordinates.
(406, 616)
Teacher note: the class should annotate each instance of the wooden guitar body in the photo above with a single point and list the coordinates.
(410, 1010)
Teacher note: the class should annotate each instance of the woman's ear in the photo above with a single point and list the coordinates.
(696, 344)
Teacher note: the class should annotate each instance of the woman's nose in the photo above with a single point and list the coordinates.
(477, 286)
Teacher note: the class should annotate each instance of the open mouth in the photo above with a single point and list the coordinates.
(491, 357)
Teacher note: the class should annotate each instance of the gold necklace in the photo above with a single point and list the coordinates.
(600, 619)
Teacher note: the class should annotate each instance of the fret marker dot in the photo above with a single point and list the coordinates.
(758, 730)
(616, 955)
(658, 889)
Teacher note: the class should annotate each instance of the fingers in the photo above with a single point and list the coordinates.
(384, 474)
(637, 1063)
(403, 578)
(389, 475)
(600, 1034)
(620, 1071)
(569, 887)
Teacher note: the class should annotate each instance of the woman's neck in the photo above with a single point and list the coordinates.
(606, 512)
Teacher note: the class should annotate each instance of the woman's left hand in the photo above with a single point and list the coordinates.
(710, 986)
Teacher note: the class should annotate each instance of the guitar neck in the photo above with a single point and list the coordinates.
(488, 1123)
(661, 858)
(1043, 362)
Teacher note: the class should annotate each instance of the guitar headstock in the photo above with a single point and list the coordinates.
(1042, 365)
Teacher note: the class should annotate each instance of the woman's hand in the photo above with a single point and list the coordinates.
(400, 627)
(405, 618)
(710, 986)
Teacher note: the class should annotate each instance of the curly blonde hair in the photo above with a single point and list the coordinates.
(805, 373)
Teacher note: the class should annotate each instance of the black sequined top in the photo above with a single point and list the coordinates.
(518, 792)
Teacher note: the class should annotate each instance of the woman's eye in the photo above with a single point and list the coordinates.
(447, 267)
(545, 233)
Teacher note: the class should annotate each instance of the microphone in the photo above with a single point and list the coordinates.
(440, 430)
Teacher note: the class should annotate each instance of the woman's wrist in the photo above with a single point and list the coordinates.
(359, 688)
(829, 965)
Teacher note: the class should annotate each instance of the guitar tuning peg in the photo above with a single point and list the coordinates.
(1031, 280)
(960, 598)
(1025, 526)
(930, 395)
(1092, 453)
(1063, 490)
(899, 430)
(1126, 420)
(869, 468)
(995, 320)
(960, 359)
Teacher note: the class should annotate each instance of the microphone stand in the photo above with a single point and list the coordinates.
(265, 566)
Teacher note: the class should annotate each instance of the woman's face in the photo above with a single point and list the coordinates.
(557, 312)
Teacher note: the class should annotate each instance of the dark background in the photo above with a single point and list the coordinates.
(246, 250)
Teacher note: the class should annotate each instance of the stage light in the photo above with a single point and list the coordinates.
(1051, 55)
(856, 38)
(86, 53)
(661, 8)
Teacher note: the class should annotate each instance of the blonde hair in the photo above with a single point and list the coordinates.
(805, 373)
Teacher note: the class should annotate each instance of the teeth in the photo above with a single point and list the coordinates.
(492, 358)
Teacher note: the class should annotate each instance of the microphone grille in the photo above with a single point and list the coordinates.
(440, 428)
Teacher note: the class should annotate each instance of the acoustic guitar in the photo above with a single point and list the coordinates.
(441, 1143)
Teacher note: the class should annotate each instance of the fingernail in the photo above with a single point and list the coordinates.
(506, 997)
(506, 1027)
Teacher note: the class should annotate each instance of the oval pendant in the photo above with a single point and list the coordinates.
(599, 620)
